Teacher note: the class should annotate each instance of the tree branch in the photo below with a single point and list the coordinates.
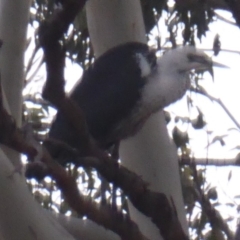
(234, 6)
(215, 4)
(219, 101)
(186, 160)
(213, 215)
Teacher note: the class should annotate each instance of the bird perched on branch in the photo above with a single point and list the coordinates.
(125, 86)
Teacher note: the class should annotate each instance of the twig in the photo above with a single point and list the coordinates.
(234, 7)
(30, 62)
(186, 160)
(219, 101)
(206, 49)
(224, 19)
(36, 70)
(213, 215)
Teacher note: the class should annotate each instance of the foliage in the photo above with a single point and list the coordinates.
(195, 19)
(77, 41)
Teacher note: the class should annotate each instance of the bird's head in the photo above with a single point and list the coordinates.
(188, 58)
(170, 80)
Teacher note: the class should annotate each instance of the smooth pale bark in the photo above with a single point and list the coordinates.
(21, 217)
(153, 156)
(113, 22)
(14, 16)
(150, 153)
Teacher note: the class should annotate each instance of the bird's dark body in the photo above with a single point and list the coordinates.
(108, 94)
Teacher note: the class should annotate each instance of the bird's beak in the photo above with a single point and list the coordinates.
(220, 65)
(204, 62)
(215, 64)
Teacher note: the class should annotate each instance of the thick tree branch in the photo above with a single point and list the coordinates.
(11, 136)
(152, 204)
(14, 138)
(102, 215)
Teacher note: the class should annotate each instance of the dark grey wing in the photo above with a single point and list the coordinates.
(108, 92)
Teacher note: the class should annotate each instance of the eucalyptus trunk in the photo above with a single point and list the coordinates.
(21, 217)
(151, 153)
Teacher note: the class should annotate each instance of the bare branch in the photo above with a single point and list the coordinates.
(186, 160)
(213, 215)
(215, 4)
(225, 20)
(219, 101)
(234, 6)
